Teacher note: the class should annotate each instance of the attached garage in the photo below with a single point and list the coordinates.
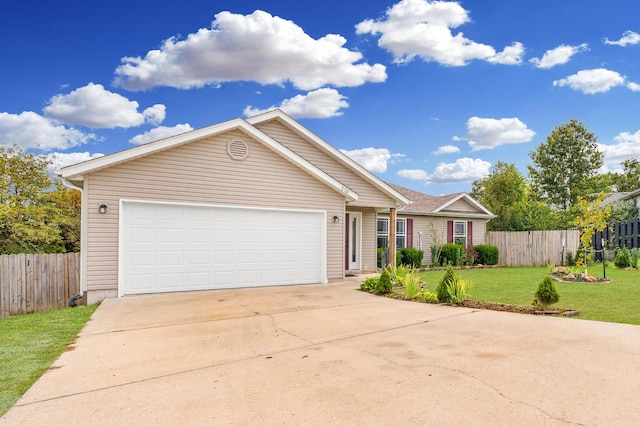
(166, 247)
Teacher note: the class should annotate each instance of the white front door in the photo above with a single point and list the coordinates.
(354, 244)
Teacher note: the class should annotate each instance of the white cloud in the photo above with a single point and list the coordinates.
(321, 103)
(634, 87)
(447, 149)
(373, 159)
(488, 133)
(413, 174)
(593, 81)
(462, 170)
(31, 130)
(423, 28)
(161, 132)
(627, 146)
(558, 56)
(257, 47)
(95, 107)
(60, 160)
(628, 37)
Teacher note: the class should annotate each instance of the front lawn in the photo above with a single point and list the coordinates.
(30, 343)
(618, 301)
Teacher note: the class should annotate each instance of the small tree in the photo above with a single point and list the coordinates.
(590, 219)
(546, 294)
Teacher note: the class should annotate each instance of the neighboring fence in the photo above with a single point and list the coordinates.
(37, 282)
(534, 248)
(618, 235)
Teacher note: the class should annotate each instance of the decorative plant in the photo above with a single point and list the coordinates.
(370, 283)
(458, 290)
(623, 258)
(546, 294)
(592, 218)
(411, 286)
(441, 290)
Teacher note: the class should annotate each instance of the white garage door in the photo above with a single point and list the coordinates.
(172, 247)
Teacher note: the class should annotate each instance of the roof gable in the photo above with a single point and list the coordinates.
(444, 205)
(75, 173)
(330, 150)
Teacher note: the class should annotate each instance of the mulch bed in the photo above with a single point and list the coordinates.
(476, 304)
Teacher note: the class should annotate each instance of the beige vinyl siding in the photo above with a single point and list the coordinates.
(434, 232)
(461, 206)
(368, 194)
(202, 172)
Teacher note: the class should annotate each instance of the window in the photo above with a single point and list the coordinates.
(460, 233)
(383, 233)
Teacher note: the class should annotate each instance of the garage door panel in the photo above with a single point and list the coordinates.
(169, 247)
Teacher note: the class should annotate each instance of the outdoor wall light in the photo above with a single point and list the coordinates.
(102, 209)
(336, 219)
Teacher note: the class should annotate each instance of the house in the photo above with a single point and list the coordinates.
(633, 196)
(247, 202)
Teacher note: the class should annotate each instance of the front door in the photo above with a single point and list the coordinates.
(353, 249)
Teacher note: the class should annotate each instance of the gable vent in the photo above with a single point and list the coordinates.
(238, 150)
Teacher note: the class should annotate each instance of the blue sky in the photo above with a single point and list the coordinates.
(428, 95)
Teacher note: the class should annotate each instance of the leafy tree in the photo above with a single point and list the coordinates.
(36, 213)
(630, 179)
(564, 164)
(504, 193)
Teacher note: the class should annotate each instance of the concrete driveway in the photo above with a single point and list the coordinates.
(328, 354)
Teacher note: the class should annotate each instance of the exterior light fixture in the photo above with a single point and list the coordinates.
(336, 219)
(102, 209)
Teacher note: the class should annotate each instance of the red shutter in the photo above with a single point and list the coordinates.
(449, 231)
(409, 232)
(469, 234)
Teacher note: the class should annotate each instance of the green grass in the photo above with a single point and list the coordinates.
(30, 343)
(618, 301)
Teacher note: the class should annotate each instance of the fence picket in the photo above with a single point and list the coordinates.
(37, 282)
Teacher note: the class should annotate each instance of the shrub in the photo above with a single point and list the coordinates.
(571, 259)
(470, 256)
(429, 297)
(435, 255)
(380, 251)
(412, 257)
(623, 258)
(458, 290)
(546, 294)
(384, 283)
(634, 261)
(451, 254)
(370, 283)
(441, 291)
(487, 254)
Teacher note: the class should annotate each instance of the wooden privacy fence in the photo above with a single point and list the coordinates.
(534, 248)
(37, 282)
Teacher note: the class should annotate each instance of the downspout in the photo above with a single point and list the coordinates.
(72, 302)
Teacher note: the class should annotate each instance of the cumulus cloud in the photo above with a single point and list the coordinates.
(628, 37)
(160, 132)
(373, 159)
(558, 56)
(94, 106)
(257, 47)
(321, 103)
(488, 133)
(31, 130)
(422, 28)
(60, 160)
(462, 170)
(594, 81)
(627, 146)
(447, 149)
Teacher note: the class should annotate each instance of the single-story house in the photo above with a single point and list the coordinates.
(633, 196)
(247, 202)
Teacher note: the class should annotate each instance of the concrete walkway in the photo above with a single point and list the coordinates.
(317, 355)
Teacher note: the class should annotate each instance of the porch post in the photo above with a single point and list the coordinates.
(392, 237)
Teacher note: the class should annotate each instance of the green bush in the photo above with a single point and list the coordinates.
(623, 258)
(429, 297)
(435, 256)
(384, 283)
(451, 254)
(412, 257)
(470, 256)
(571, 259)
(487, 254)
(399, 258)
(441, 291)
(634, 261)
(546, 294)
(370, 283)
